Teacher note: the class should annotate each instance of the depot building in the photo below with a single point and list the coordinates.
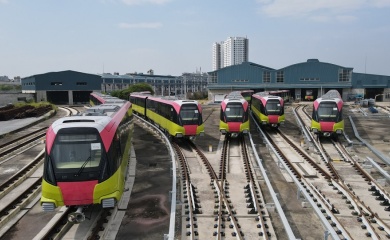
(305, 81)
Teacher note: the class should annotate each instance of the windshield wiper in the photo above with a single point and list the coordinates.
(194, 117)
(82, 167)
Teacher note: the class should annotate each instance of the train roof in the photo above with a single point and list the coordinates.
(140, 95)
(95, 117)
(330, 96)
(103, 98)
(167, 100)
(247, 91)
(174, 102)
(265, 95)
(336, 100)
(234, 95)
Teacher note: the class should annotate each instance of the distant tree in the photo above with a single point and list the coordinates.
(115, 93)
(141, 87)
(138, 87)
(6, 87)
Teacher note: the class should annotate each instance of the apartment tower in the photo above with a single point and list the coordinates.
(233, 51)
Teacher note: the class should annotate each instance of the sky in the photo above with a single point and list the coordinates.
(176, 36)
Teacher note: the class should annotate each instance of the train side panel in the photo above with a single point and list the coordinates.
(172, 128)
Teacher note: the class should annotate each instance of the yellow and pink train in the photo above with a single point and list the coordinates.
(86, 157)
(177, 118)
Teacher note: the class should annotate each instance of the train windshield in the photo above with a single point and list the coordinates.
(234, 112)
(327, 111)
(273, 107)
(77, 152)
(190, 115)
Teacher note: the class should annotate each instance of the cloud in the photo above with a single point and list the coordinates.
(140, 25)
(321, 10)
(141, 2)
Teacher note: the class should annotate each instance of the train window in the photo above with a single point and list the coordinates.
(72, 151)
(234, 112)
(190, 115)
(273, 106)
(327, 111)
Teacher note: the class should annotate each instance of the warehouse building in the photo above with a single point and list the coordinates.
(71, 87)
(305, 81)
(66, 87)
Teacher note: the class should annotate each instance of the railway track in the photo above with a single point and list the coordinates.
(236, 216)
(347, 178)
(224, 204)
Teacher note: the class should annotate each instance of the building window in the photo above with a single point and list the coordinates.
(266, 77)
(240, 80)
(279, 76)
(56, 83)
(81, 83)
(345, 75)
(309, 79)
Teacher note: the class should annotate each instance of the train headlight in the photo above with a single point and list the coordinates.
(315, 130)
(201, 134)
(339, 131)
(223, 131)
(245, 131)
(264, 122)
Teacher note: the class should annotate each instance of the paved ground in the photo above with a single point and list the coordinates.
(147, 216)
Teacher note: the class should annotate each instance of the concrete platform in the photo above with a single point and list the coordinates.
(16, 124)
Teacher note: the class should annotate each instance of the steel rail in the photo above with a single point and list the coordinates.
(302, 189)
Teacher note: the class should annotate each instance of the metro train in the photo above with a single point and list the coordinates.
(96, 98)
(86, 158)
(234, 115)
(285, 94)
(177, 118)
(327, 117)
(268, 109)
(247, 94)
